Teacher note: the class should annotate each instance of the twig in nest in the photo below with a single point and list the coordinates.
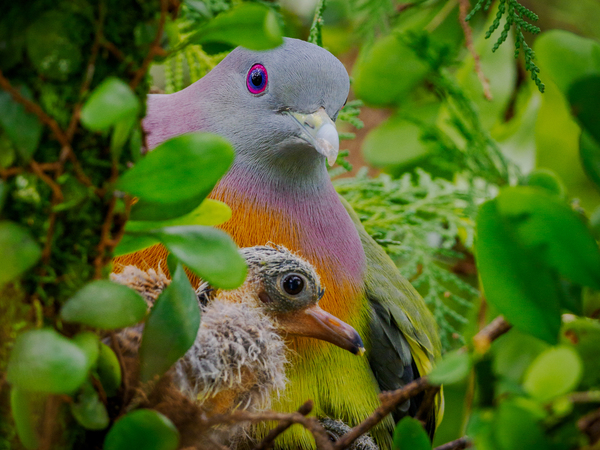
(154, 47)
(267, 442)
(458, 444)
(463, 7)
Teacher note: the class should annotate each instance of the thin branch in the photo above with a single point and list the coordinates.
(458, 444)
(490, 333)
(389, 402)
(283, 425)
(590, 425)
(424, 412)
(139, 74)
(104, 238)
(463, 7)
(56, 191)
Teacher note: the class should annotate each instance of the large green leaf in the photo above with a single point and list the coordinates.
(410, 435)
(108, 370)
(175, 177)
(44, 361)
(515, 282)
(517, 428)
(554, 372)
(19, 251)
(112, 102)
(171, 328)
(143, 429)
(22, 127)
(250, 25)
(389, 83)
(455, 367)
(104, 304)
(584, 95)
(210, 212)
(549, 228)
(208, 252)
(87, 408)
(566, 57)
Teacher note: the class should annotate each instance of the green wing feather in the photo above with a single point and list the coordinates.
(402, 328)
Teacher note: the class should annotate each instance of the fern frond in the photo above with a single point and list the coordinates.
(315, 34)
(517, 15)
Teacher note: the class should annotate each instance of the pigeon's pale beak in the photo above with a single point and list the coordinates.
(316, 323)
(319, 130)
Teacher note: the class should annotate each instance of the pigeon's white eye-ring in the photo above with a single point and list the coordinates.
(257, 79)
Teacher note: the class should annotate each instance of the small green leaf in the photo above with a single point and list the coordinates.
(89, 343)
(455, 366)
(108, 370)
(554, 232)
(133, 243)
(208, 252)
(409, 434)
(171, 328)
(142, 429)
(19, 251)
(120, 135)
(555, 372)
(548, 180)
(250, 25)
(87, 408)
(44, 361)
(22, 412)
(210, 213)
(176, 176)
(514, 352)
(589, 152)
(22, 127)
(584, 335)
(111, 102)
(515, 282)
(104, 304)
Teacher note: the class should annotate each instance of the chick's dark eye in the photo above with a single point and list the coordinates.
(293, 284)
(257, 79)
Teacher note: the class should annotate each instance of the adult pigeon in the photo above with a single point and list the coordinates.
(278, 108)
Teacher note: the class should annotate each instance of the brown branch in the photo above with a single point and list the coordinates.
(463, 8)
(389, 402)
(267, 442)
(310, 423)
(590, 425)
(424, 412)
(139, 74)
(458, 444)
(490, 333)
(56, 191)
(104, 238)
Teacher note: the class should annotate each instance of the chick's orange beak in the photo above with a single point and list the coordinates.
(316, 323)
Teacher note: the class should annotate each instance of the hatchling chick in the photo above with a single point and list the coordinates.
(239, 356)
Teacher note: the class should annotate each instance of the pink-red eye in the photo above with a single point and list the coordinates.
(257, 79)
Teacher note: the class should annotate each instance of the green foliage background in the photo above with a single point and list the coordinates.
(488, 205)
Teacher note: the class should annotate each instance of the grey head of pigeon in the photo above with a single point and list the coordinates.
(276, 107)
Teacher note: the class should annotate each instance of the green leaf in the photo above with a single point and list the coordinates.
(22, 413)
(51, 46)
(171, 328)
(176, 176)
(19, 251)
(111, 102)
(88, 410)
(250, 25)
(210, 213)
(583, 96)
(550, 228)
(455, 367)
(567, 57)
(104, 304)
(44, 361)
(22, 127)
(555, 372)
(589, 152)
(390, 83)
(522, 289)
(142, 429)
(514, 352)
(120, 135)
(89, 343)
(206, 251)
(108, 370)
(132, 243)
(584, 335)
(517, 428)
(409, 434)
(548, 180)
